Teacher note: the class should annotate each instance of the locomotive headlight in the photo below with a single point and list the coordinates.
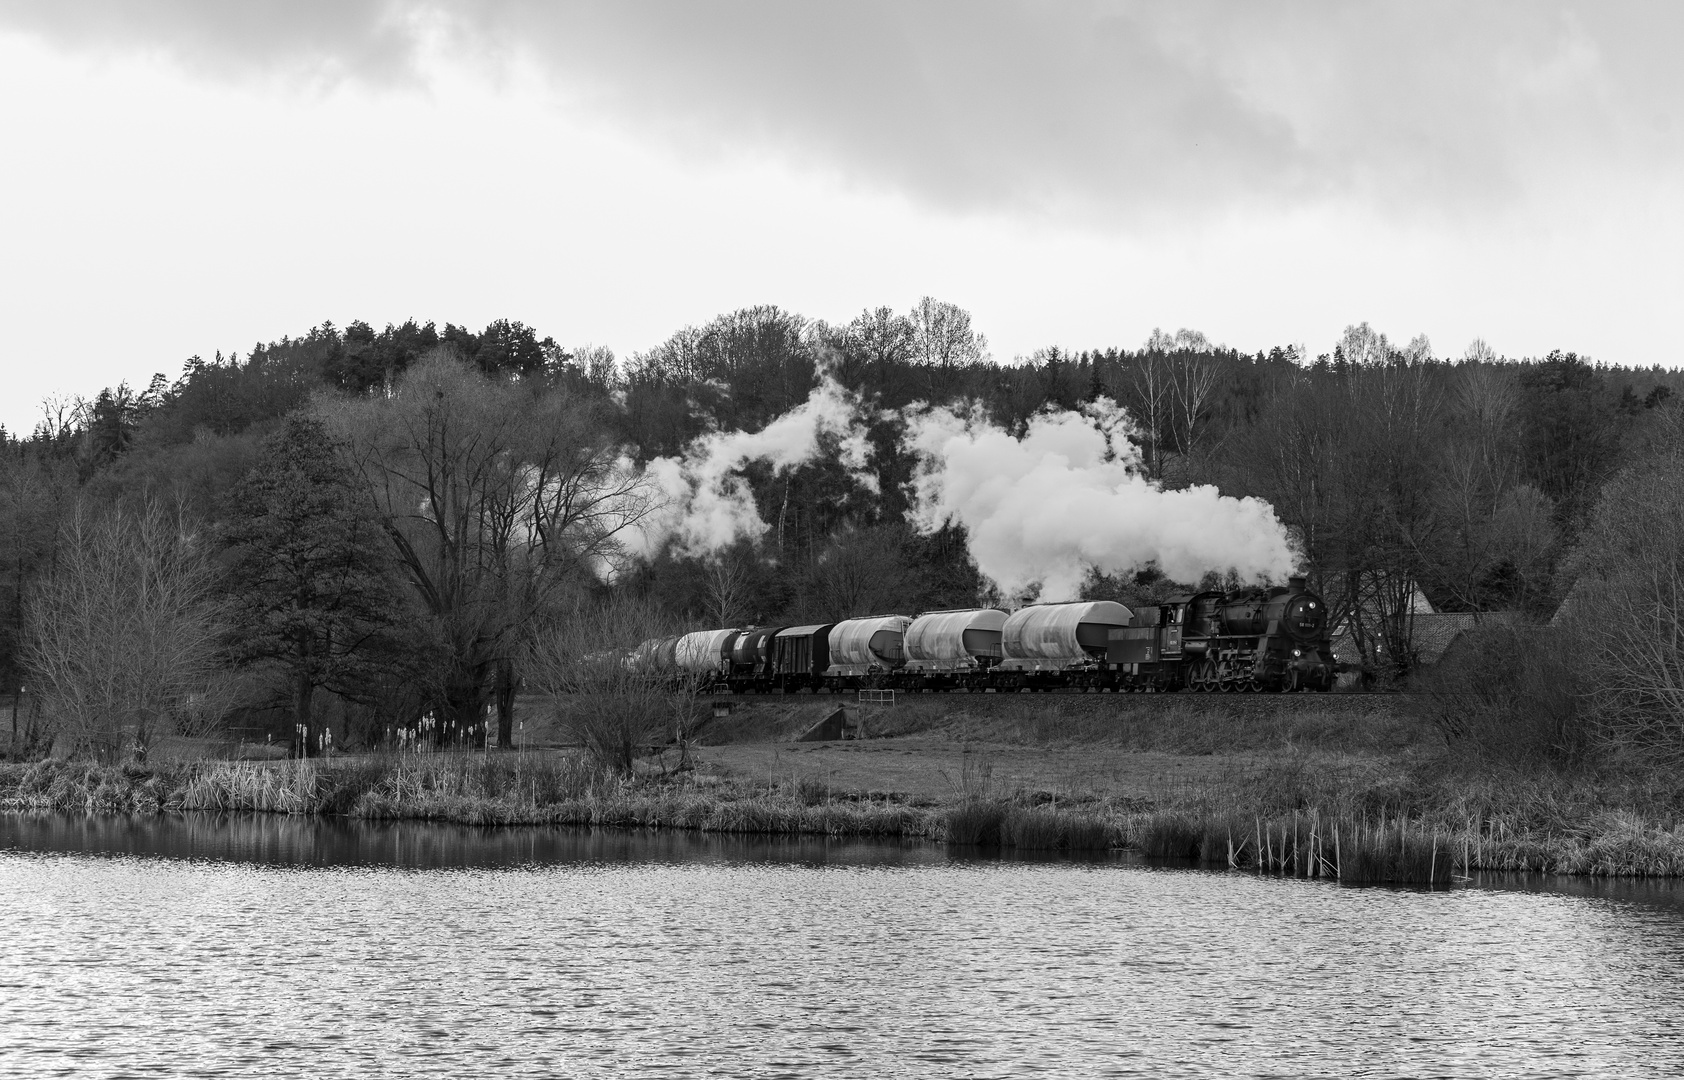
(1297, 652)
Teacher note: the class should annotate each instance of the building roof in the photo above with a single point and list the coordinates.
(1570, 603)
(1431, 633)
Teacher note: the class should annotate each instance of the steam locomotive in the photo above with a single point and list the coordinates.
(1249, 641)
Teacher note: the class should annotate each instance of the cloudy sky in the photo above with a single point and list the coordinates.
(183, 176)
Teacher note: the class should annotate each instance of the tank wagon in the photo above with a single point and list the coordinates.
(866, 652)
(1252, 640)
(1051, 646)
(705, 655)
(951, 650)
(751, 659)
(656, 657)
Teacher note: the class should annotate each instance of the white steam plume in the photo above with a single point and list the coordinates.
(1071, 495)
(709, 506)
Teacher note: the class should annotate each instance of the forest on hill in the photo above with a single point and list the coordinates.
(369, 525)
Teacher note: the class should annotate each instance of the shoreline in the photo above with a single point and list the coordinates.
(1238, 831)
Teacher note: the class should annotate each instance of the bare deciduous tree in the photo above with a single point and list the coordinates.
(1363, 346)
(577, 657)
(942, 335)
(1193, 380)
(1629, 601)
(126, 633)
(726, 584)
(1150, 382)
(859, 572)
(496, 499)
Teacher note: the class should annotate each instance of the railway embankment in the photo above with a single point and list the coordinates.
(1298, 784)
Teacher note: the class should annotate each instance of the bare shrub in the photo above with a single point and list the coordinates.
(125, 635)
(1627, 603)
(1510, 695)
(577, 657)
(1638, 646)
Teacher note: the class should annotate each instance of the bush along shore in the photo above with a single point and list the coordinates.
(1352, 845)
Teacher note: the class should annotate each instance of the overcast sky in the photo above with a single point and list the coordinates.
(181, 176)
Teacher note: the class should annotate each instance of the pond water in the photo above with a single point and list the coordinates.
(265, 946)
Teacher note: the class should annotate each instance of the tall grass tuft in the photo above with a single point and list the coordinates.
(1212, 839)
(992, 823)
(1043, 828)
(1392, 852)
(976, 824)
(1171, 836)
(1354, 851)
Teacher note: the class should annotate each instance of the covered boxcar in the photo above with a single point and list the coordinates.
(800, 655)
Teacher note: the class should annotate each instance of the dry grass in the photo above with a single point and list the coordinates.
(1354, 851)
(1311, 808)
(467, 788)
(1175, 724)
(975, 824)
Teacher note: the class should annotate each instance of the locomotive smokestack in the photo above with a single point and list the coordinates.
(1298, 583)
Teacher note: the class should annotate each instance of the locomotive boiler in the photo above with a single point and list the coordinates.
(1251, 640)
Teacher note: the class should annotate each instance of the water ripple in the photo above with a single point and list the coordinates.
(141, 965)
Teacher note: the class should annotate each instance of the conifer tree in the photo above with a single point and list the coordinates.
(314, 596)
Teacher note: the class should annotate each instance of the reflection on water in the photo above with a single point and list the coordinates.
(267, 946)
(279, 840)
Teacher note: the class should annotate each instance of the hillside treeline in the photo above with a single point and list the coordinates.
(357, 531)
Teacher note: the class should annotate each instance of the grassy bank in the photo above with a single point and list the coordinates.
(546, 789)
(1370, 795)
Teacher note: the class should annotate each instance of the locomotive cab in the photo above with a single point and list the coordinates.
(1147, 653)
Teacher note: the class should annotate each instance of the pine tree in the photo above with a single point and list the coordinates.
(313, 590)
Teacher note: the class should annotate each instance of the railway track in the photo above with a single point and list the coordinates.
(1229, 703)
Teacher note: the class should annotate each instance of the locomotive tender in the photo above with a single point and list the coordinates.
(1253, 640)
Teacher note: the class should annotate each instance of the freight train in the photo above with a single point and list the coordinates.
(1254, 640)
